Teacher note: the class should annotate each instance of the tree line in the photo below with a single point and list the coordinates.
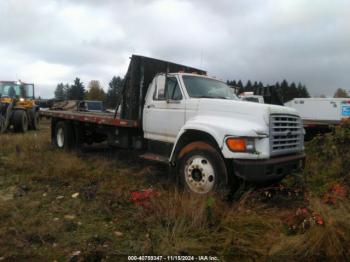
(94, 91)
(285, 90)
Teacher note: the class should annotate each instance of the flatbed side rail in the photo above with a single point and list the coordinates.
(90, 118)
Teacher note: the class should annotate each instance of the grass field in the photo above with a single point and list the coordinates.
(82, 206)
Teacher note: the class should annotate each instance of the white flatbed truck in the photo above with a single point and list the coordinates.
(176, 114)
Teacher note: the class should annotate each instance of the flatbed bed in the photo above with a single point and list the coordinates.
(107, 118)
(101, 118)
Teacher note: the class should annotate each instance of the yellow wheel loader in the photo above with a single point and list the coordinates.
(17, 107)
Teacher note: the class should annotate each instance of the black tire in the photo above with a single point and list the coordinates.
(64, 136)
(2, 124)
(20, 121)
(201, 169)
(35, 121)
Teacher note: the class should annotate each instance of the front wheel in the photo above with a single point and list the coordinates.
(202, 169)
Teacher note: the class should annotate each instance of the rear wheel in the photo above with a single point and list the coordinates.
(35, 121)
(2, 124)
(64, 135)
(202, 169)
(20, 121)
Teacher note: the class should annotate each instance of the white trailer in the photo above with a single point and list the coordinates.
(321, 111)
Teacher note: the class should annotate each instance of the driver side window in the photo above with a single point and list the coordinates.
(172, 89)
(168, 91)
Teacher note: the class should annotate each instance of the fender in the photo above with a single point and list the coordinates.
(218, 127)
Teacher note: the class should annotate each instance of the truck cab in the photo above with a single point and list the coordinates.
(260, 142)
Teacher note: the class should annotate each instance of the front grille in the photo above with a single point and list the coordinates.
(286, 134)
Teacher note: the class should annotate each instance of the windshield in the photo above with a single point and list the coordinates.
(16, 90)
(201, 87)
(95, 105)
(11, 89)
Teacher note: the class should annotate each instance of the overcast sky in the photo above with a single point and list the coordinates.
(47, 42)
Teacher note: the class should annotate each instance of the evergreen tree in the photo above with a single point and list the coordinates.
(293, 91)
(240, 87)
(259, 89)
(305, 92)
(278, 86)
(60, 92)
(77, 90)
(66, 91)
(113, 92)
(302, 91)
(231, 83)
(255, 87)
(284, 90)
(248, 86)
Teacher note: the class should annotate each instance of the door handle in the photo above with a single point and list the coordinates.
(171, 101)
(151, 106)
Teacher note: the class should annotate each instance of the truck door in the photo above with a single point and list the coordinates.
(164, 111)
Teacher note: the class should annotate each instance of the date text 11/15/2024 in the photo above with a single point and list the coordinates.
(173, 258)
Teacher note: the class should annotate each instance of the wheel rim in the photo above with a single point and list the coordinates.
(199, 174)
(60, 137)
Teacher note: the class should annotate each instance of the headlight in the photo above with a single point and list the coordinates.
(21, 99)
(240, 144)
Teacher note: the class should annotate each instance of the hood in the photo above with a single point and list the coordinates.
(240, 112)
(241, 107)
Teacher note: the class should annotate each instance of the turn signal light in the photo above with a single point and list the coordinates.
(236, 144)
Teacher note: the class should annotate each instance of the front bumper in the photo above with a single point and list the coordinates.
(269, 169)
